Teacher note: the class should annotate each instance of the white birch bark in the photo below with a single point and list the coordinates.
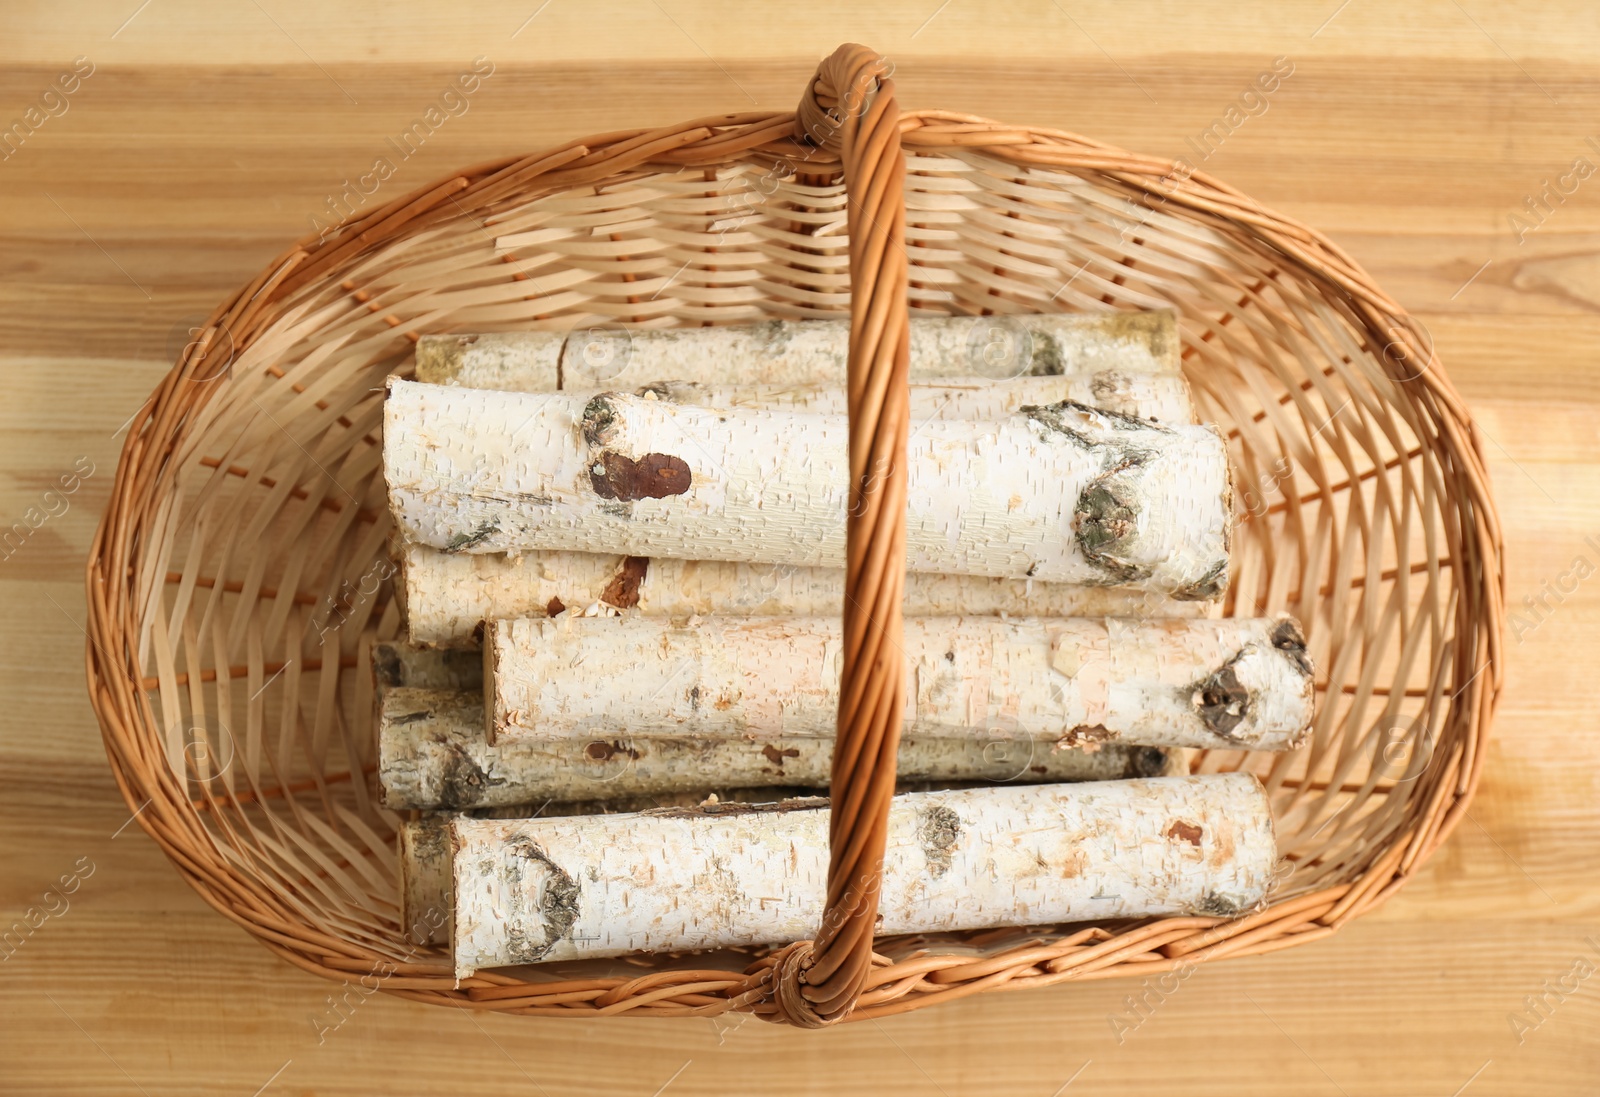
(433, 755)
(1163, 397)
(448, 595)
(564, 889)
(804, 352)
(1058, 494)
(427, 883)
(1235, 683)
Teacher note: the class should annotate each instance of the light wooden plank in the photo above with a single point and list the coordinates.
(1409, 134)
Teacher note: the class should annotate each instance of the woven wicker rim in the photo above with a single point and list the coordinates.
(1384, 536)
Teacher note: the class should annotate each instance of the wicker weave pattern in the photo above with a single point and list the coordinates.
(238, 579)
(852, 108)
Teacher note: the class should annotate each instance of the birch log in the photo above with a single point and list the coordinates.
(1236, 683)
(564, 889)
(448, 595)
(433, 754)
(802, 352)
(1060, 494)
(1163, 397)
(427, 882)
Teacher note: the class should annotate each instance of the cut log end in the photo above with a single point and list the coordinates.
(426, 902)
(407, 666)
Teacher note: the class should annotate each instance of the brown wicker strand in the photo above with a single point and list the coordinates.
(851, 107)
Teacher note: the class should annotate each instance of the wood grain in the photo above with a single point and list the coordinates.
(1409, 135)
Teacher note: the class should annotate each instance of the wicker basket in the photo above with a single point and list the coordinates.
(239, 578)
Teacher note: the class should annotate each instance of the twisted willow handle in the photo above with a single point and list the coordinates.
(850, 109)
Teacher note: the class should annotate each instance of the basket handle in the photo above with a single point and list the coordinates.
(850, 108)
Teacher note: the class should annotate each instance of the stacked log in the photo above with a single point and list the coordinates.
(1229, 684)
(1111, 349)
(536, 890)
(621, 572)
(433, 755)
(1063, 493)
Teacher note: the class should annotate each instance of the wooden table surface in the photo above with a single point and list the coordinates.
(1420, 136)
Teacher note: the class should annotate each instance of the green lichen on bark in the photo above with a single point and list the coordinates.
(1047, 359)
(939, 832)
(461, 542)
(1210, 585)
(1088, 426)
(463, 783)
(1106, 517)
(556, 900)
(776, 336)
(1287, 638)
(1221, 905)
(1222, 701)
(600, 420)
(1106, 513)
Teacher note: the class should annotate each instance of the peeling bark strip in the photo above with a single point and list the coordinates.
(1188, 683)
(448, 595)
(432, 755)
(563, 889)
(801, 352)
(1059, 494)
(653, 476)
(622, 592)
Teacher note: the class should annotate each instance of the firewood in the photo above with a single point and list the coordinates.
(448, 595)
(427, 882)
(433, 754)
(1237, 683)
(1063, 493)
(527, 891)
(806, 352)
(1162, 397)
